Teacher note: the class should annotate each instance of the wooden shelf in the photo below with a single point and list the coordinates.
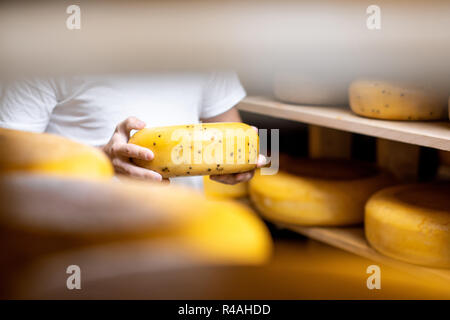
(352, 239)
(428, 134)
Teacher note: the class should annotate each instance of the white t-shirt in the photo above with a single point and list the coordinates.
(87, 109)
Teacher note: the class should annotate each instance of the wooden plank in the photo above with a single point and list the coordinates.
(435, 134)
(352, 239)
(401, 159)
(329, 143)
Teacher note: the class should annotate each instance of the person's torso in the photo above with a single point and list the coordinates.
(89, 108)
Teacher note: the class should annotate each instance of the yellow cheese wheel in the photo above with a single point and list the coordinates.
(58, 214)
(317, 192)
(217, 190)
(393, 101)
(50, 154)
(411, 223)
(199, 149)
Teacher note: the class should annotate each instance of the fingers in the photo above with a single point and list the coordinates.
(131, 123)
(262, 161)
(244, 176)
(233, 178)
(125, 167)
(130, 150)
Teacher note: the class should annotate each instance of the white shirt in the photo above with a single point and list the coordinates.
(87, 109)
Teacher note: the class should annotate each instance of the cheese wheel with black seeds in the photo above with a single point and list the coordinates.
(199, 149)
(394, 101)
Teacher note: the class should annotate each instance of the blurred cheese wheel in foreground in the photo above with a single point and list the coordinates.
(411, 223)
(200, 149)
(392, 101)
(217, 190)
(65, 213)
(50, 154)
(316, 192)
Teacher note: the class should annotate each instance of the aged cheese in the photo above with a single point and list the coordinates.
(200, 149)
(411, 223)
(392, 101)
(50, 154)
(317, 192)
(65, 213)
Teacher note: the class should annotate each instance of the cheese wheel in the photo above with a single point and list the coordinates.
(316, 192)
(411, 223)
(392, 101)
(50, 154)
(199, 149)
(217, 190)
(63, 214)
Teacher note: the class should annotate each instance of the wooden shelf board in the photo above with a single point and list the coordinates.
(352, 239)
(434, 134)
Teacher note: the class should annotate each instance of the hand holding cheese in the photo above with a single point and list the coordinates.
(121, 152)
(199, 149)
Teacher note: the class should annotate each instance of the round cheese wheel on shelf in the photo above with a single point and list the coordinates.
(411, 223)
(317, 192)
(50, 154)
(393, 101)
(217, 190)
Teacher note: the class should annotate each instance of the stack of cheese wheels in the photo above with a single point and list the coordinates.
(217, 190)
(200, 149)
(393, 101)
(316, 192)
(411, 223)
(50, 154)
(66, 213)
(116, 228)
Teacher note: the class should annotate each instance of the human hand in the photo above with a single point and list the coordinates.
(121, 152)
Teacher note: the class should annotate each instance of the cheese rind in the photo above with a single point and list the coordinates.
(392, 101)
(320, 193)
(48, 210)
(411, 223)
(50, 154)
(200, 149)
